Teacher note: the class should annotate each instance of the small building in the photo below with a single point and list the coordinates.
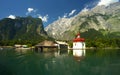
(20, 46)
(17, 46)
(62, 45)
(46, 46)
(78, 42)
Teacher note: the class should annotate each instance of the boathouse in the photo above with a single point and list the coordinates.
(62, 45)
(78, 42)
(46, 46)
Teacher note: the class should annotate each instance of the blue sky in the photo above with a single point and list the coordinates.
(47, 10)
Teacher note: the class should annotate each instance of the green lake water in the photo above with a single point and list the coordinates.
(92, 62)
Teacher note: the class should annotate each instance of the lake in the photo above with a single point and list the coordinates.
(64, 62)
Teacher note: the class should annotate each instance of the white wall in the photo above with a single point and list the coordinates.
(78, 45)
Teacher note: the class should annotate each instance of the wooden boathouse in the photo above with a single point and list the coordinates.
(46, 46)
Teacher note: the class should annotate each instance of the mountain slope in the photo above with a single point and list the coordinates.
(22, 28)
(103, 20)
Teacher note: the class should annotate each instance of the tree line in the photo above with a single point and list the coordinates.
(103, 43)
(96, 43)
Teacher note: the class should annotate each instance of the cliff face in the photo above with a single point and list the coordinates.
(101, 20)
(23, 28)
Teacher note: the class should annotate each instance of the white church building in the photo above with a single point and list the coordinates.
(78, 42)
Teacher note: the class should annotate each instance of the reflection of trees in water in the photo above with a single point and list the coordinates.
(102, 52)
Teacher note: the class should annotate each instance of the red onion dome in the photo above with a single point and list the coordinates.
(79, 40)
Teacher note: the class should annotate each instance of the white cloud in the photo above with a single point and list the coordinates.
(107, 2)
(30, 10)
(12, 16)
(72, 12)
(65, 15)
(85, 10)
(44, 18)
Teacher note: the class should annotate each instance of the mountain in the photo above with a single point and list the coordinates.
(22, 28)
(98, 22)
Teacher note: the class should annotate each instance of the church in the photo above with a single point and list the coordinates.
(78, 42)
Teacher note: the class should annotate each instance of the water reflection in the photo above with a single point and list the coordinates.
(99, 62)
(79, 54)
(21, 50)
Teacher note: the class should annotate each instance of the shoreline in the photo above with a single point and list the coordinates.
(96, 48)
(68, 48)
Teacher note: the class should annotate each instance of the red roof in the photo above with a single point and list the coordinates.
(78, 39)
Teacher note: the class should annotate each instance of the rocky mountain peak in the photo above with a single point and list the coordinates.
(98, 18)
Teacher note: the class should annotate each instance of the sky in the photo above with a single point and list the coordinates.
(47, 10)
